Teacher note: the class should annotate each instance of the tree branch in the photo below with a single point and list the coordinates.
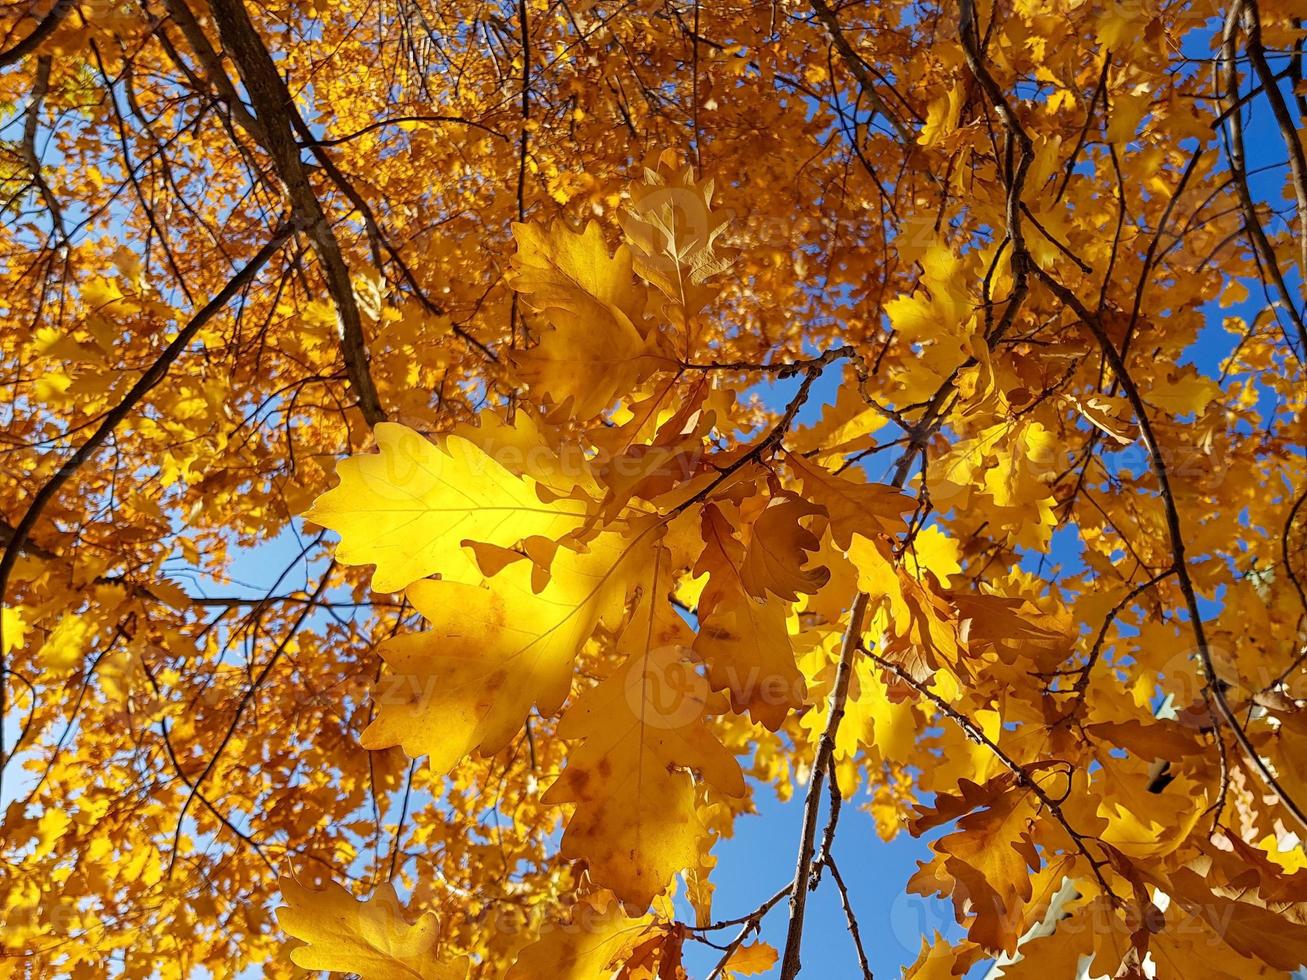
(274, 107)
(825, 749)
(44, 28)
(858, 68)
(1176, 537)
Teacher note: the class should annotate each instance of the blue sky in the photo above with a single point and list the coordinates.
(760, 859)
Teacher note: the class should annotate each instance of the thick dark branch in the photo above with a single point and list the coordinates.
(858, 68)
(380, 238)
(214, 71)
(523, 151)
(1283, 119)
(274, 108)
(44, 28)
(26, 547)
(1234, 147)
(217, 77)
(31, 122)
(825, 750)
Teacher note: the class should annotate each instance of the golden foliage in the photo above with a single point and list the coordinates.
(624, 409)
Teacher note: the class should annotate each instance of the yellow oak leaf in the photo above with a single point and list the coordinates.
(659, 954)
(1013, 627)
(1250, 929)
(642, 729)
(939, 318)
(371, 938)
(853, 506)
(941, 960)
(988, 859)
(1005, 471)
(882, 724)
(13, 626)
(409, 508)
(1188, 392)
(942, 116)
(1140, 823)
(774, 562)
(921, 630)
(597, 344)
(673, 231)
(1291, 859)
(599, 935)
(751, 959)
(493, 651)
(743, 641)
(1234, 293)
(1108, 414)
(933, 551)
(67, 645)
(668, 462)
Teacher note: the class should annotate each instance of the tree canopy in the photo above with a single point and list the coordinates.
(630, 406)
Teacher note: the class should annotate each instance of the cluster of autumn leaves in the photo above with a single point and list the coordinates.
(629, 571)
(557, 534)
(617, 589)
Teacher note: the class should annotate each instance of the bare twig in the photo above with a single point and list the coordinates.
(254, 685)
(1023, 777)
(750, 925)
(1082, 681)
(825, 749)
(846, 903)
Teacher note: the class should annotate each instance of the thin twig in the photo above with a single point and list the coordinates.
(790, 964)
(1176, 538)
(1023, 777)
